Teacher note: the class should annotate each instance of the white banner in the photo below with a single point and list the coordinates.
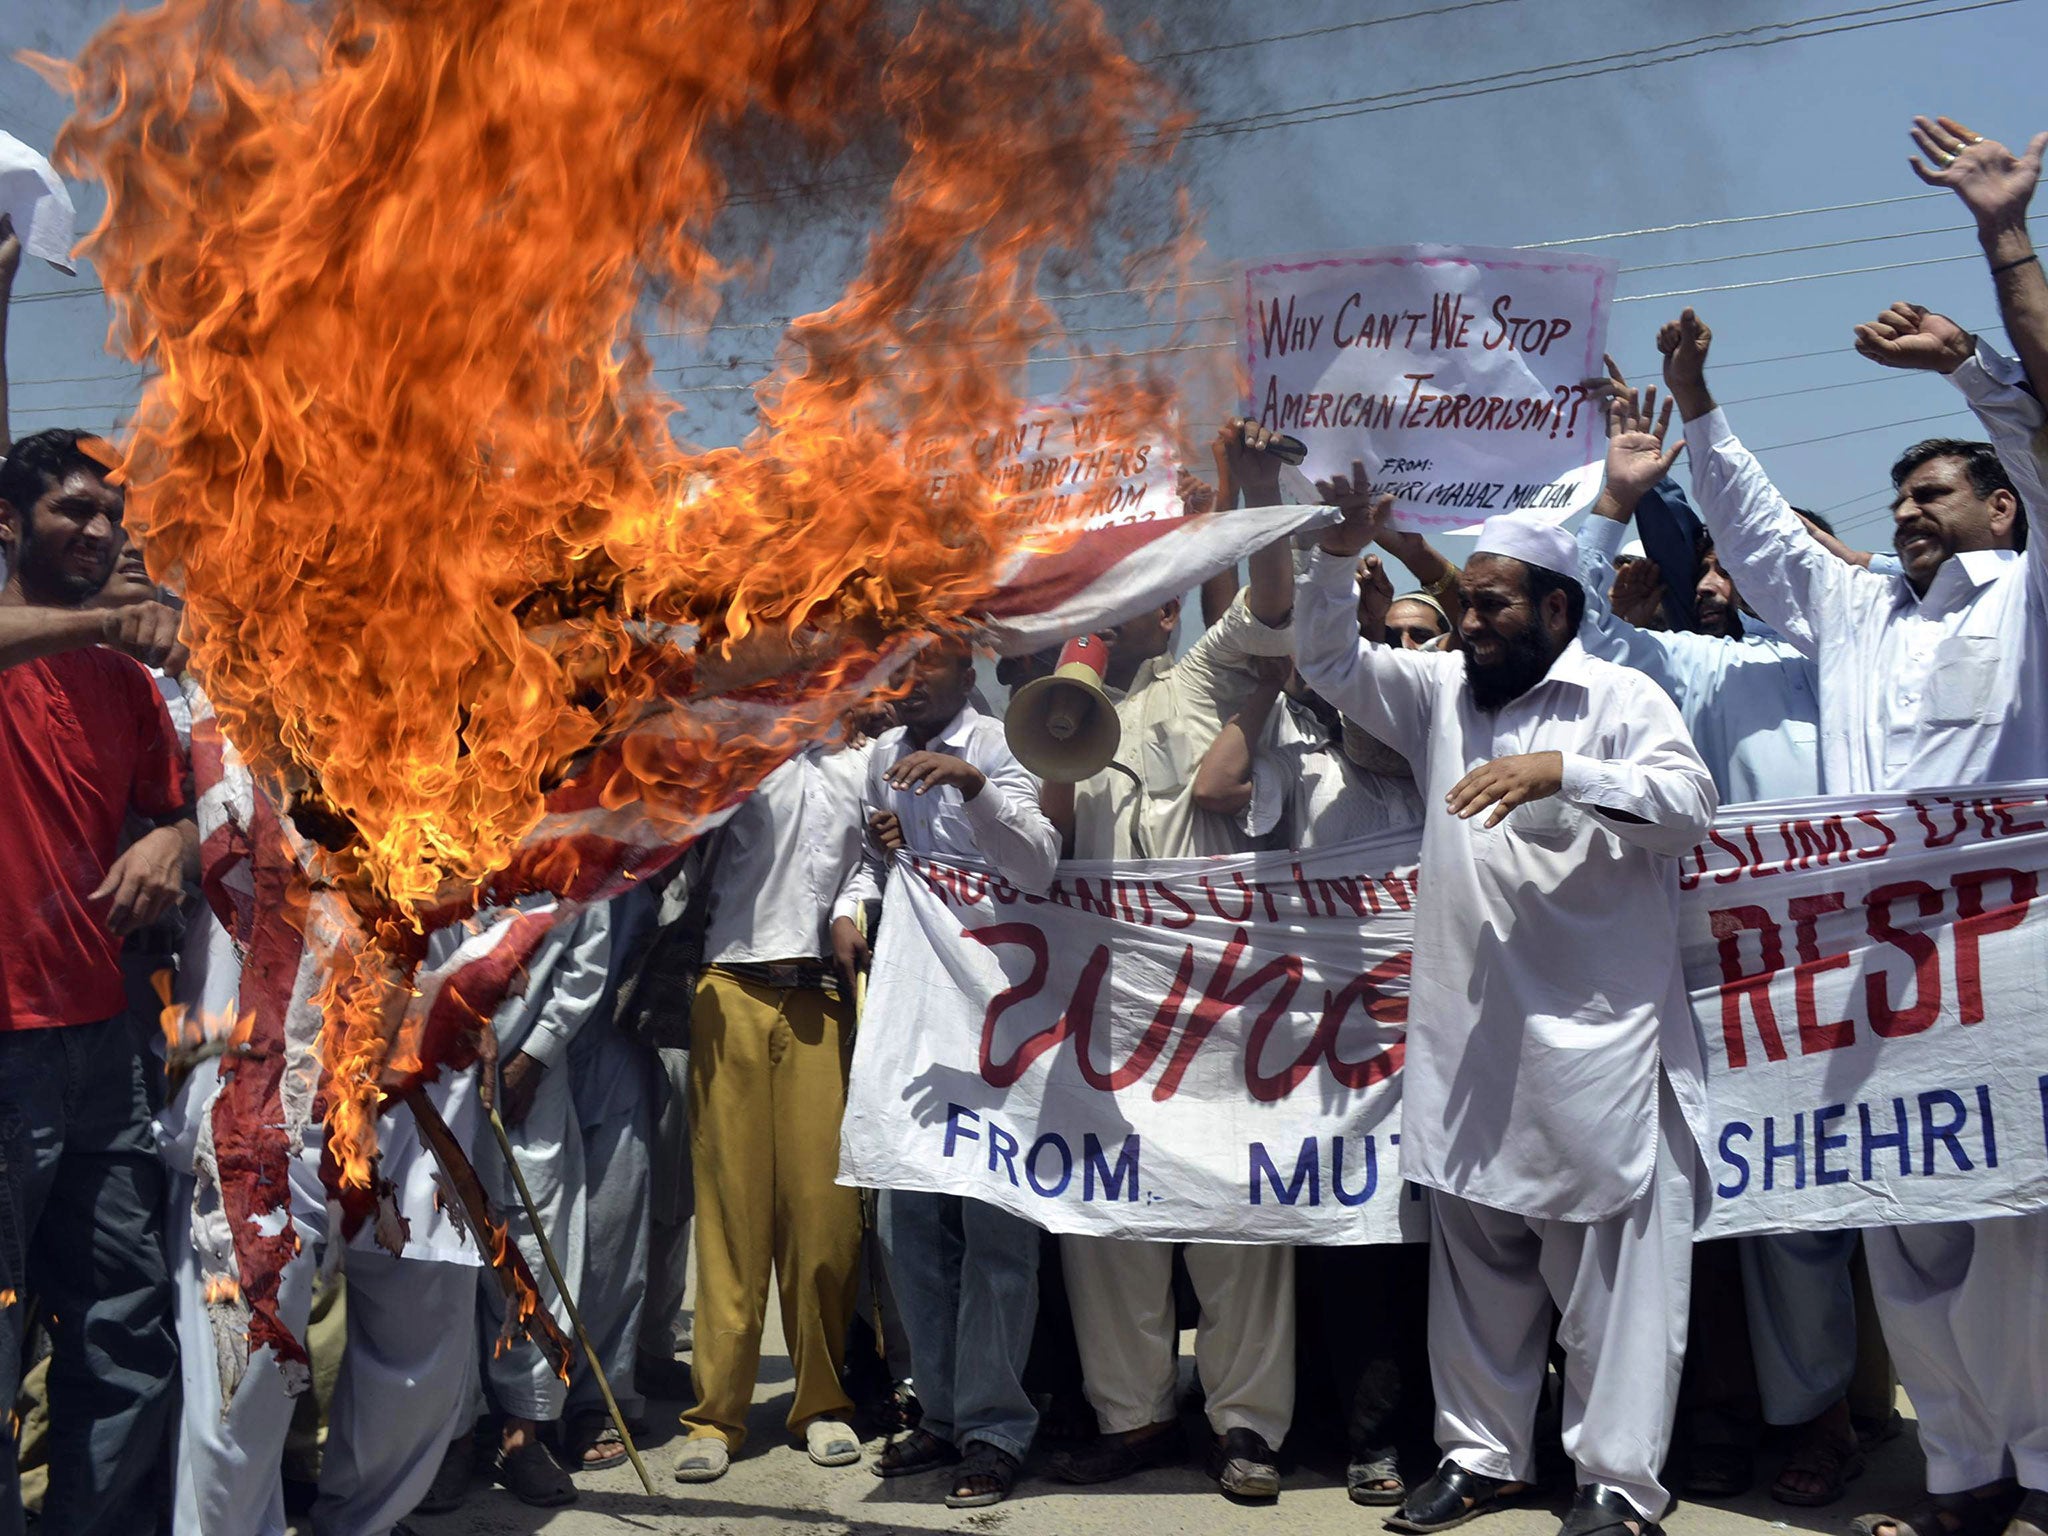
(1456, 373)
(1188, 1049)
(1075, 468)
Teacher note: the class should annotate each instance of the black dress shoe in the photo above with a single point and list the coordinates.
(1452, 1496)
(1595, 1508)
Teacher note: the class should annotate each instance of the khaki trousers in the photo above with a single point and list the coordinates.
(767, 1092)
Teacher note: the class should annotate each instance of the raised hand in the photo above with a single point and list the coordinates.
(1914, 336)
(1252, 470)
(1994, 183)
(1637, 596)
(1364, 516)
(1375, 597)
(1636, 456)
(1684, 343)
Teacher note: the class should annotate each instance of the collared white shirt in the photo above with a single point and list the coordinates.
(1546, 989)
(788, 853)
(1752, 705)
(1916, 692)
(1170, 716)
(1307, 794)
(1002, 826)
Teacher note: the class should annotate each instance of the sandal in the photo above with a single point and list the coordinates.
(1110, 1457)
(534, 1478)
(918, 1451)
(1834, 1464)
(1718, 1472)
(1968, 1515)
(1375, 1480)
(1596, 1509)
(588, 1431)
(1451, 1497)
(986, 1476)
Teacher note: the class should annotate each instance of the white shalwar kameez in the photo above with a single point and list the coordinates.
(1121, 1289)
(1924, 691)
(408, 1371)
(1552, 1094)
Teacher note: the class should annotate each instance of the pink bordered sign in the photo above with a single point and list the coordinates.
(1456, 374)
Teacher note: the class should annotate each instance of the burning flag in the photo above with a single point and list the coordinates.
(473, 615)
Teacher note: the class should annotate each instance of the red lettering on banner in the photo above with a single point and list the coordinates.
(1032, 937)
(1809, 844)
(1729, 925)
(2007, 827)
(1935, 838)
(1219, 997)
(1813, 1035)
(1974, 920)
(1734, 871)
(1382, 1007)
(1243, 914)
(1149, 1045)
(1872, 819)
(1187, 913)
(1885, 1019)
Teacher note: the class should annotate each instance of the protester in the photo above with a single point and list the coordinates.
(10, 264)
(1549, 1090)
(535, 1030)
(1125, 1319)
(1927, 680)
(964, 1272)
(771, 1037)
(84, 743)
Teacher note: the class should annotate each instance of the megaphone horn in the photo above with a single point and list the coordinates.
(1064, 727)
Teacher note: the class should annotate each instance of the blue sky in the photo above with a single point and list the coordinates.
(1730, 133)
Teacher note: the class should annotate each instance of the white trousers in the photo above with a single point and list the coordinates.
(406, 1384)
(1965, 1312)
(1620, 1286)
(1121, 1292)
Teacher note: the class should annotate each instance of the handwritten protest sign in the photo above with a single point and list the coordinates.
(1211, 1048)
(1070, 468)
(1455, 373)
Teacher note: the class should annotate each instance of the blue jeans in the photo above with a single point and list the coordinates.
(965, 1276)
(81, 1231)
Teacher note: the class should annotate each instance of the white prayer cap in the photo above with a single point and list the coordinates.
(1533, 539)
(1632, 550)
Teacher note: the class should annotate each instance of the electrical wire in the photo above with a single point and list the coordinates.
(1342, 26)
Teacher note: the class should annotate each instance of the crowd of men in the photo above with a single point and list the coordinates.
(1560, 721)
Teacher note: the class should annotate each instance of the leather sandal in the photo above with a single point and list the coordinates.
(534, 1477)
(1452, 1496)
(986, 1476)
(1967, 1515)
(1109, 1457)
(1596, 1508)
(1365, 1477)
(1244, 1465)
(2031, 1518)
(1834, 1463)
(918, 1451)
(591, 1430)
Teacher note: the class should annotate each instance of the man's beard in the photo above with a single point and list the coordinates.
(55, 580)
(1525, 658)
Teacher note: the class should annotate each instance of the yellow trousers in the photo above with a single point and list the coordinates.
(767, 1091)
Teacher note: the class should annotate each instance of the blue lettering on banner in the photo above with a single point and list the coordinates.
(1049, 1165)
(1823, 1144)
(1096, 1169)
(1039, 1185)
(1957, 1131)
(1305, 1186)
(1734, 1159)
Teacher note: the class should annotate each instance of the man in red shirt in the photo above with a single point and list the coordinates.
(85, 744)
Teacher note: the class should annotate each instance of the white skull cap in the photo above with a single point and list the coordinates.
(1532, 539)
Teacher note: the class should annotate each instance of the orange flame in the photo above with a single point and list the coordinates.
(402, 452)
(221, 1289)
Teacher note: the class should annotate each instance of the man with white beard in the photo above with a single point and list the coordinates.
(1552, 1095)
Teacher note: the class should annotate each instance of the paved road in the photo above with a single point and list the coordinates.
(774, 1490)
